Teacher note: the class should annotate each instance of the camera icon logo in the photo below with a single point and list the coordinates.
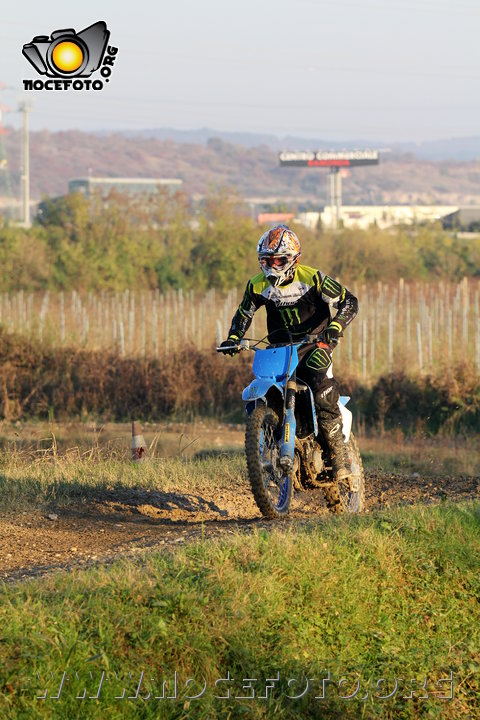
(67, 54)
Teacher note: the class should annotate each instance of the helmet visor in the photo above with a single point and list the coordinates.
(275, 261)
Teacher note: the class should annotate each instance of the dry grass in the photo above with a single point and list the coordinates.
(46, 463)
(421, 454)
(43, 463)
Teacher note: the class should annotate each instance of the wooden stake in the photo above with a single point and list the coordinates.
(419, 347)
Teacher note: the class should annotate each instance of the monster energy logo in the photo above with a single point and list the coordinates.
(290, 316)
(319, 360)
(331, 287)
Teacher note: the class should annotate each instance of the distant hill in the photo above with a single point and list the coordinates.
(462, 149)
(250, 140)
(455, 149)
(252, 170)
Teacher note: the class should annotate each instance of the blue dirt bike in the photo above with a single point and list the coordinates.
(283, 446)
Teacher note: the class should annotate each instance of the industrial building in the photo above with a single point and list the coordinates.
(131, 186)
(365, 216)
(382, 216)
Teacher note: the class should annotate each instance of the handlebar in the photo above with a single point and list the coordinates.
(244, 343)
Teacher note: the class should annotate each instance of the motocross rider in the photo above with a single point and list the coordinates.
(299, 301)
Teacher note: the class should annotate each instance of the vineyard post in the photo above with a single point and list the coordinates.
(407, 317)
(191, 337)
(419, 347)
(373, 325)
(85, 324)
(430, 342)
(378, 314)
(143, 311)
(477, 330)
(8, 313)
(106, 312)
(12, 311)
(218, 332)
(465, 305)
(114, 320)
(441, 317)
(166, 320)
(155, 328)
(364, 349)
(131, 324)
(390, 341)
(200, 325)
(450, 336)
(30, 311)
(43, 314)
(181, 319)
(456, 314)
(175, 319)
(21, 313)
(121, 334)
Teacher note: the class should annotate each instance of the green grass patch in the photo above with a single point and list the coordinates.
(389, 595)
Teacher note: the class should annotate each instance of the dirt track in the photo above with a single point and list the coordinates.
(114, 524)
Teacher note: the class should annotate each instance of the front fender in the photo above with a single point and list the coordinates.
(258, 388)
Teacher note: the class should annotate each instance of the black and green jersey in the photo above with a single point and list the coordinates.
(302, 306)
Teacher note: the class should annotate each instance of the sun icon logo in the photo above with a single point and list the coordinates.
(67, 56)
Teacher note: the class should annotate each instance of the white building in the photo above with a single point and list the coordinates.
(383, 216)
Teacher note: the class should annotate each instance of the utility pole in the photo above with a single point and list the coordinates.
(25, 108)
(336, 193)
(5, 186)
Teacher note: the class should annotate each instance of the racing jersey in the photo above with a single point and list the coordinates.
(302, 306)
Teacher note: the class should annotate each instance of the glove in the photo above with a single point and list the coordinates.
(332, 334)
(230, 346)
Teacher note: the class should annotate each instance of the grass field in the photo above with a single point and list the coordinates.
(385, 605)
(388, 602)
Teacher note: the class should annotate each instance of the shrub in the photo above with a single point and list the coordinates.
(38, 381)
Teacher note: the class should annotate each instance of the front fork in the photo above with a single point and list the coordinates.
(287, 444)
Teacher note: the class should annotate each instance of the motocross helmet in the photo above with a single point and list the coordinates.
(279, 253)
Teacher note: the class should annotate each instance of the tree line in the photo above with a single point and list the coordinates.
(166, 241)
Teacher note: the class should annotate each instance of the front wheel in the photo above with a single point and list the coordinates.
(271, 487)
(348, 496)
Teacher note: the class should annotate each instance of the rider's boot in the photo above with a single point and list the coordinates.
(336, 445)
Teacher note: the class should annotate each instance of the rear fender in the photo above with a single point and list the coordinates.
(346, 417)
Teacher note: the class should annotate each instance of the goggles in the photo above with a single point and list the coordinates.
(275, 261)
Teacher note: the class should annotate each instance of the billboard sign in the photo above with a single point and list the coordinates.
(328, 158)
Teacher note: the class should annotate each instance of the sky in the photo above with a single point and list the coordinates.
(377, 70)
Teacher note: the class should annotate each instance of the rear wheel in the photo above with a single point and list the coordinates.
(271, 487)
(348, 495)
